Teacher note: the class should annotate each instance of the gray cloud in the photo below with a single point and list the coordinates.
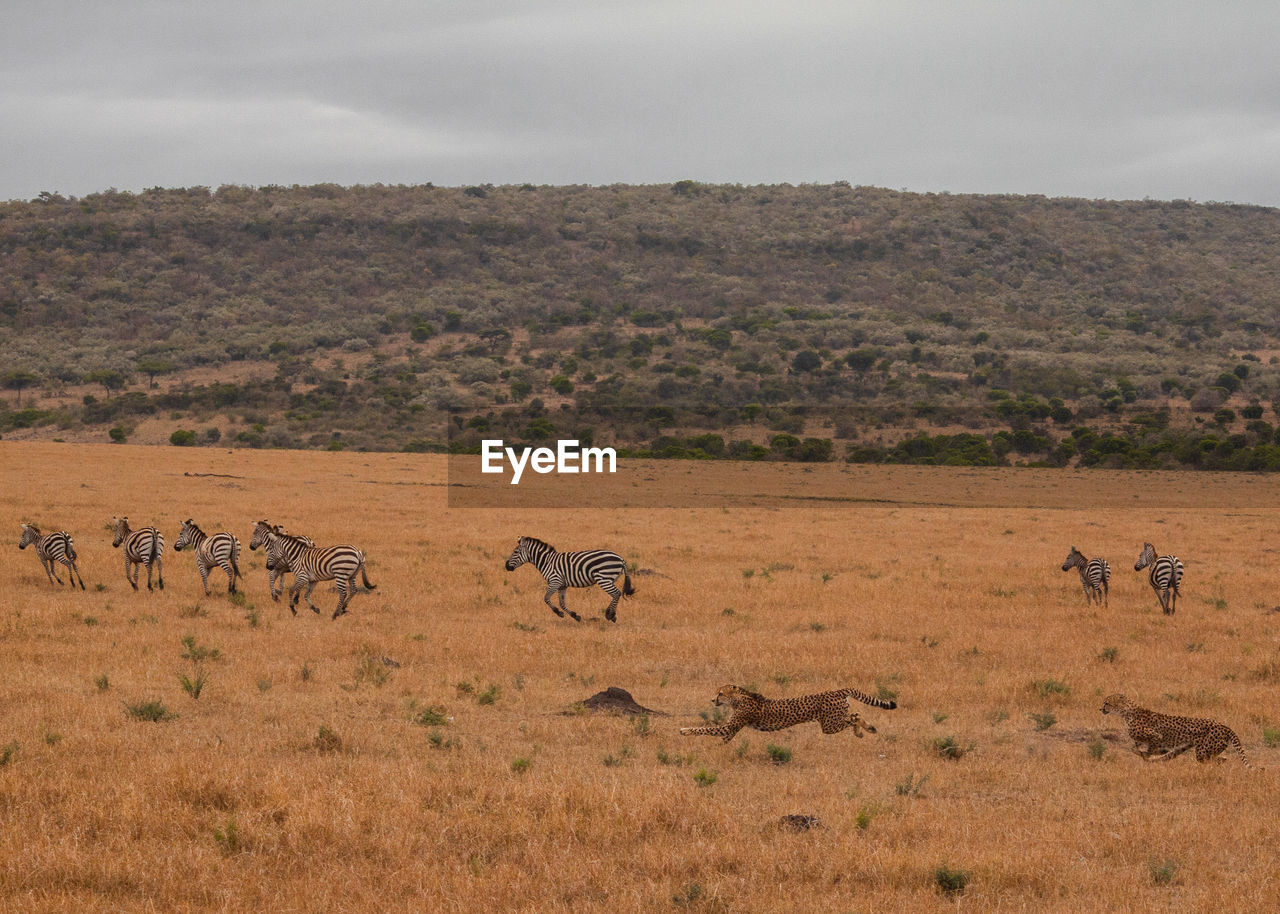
(1117, 99)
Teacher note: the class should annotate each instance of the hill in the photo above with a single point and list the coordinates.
(801, 322)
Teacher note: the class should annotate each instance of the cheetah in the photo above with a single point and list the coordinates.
(750, 709)
(1160, 737)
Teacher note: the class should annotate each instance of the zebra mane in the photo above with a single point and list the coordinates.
(288, 536)
(193, 525)
(534, 541)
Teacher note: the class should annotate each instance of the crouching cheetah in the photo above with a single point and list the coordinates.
(1164, 736)
(750, 709)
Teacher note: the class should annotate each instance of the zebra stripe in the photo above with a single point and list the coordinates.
(278, 562)
(51, 548)
(141, 547)
(563, 570)
(1165, 576)
(1095, 575)
(312, 564)
(221, 550)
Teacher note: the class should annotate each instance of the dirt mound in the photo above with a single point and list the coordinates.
(619, 701)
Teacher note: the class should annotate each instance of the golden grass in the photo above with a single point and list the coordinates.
(299, 780)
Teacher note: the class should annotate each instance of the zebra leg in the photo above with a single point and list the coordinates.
(292, 598)
(272, 577)
(231, 577)
(159, 571)
(344, 594)
(546, 598)
(73, 573)
(1106, 596)
(576, 617)
(204, 576)
(149, 565)
(50, 571)
(311, 585)
(611, 613)
(131, 566)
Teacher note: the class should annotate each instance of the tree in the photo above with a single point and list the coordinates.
(110, 379)
(152, 366)
(806, 360)
(18, 379)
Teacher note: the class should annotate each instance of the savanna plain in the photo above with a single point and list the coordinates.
(430, 751)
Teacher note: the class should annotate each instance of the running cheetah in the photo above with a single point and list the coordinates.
(829, 709)
(1161, 737)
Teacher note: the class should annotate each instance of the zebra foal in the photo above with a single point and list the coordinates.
(51, 548)
(563, 570)
(144, 546)
(221, 550)
(1095, 575)
(278, 566)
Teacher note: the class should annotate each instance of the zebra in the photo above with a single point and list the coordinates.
(141, 547)
(277, 569)
(1095, 575)
(563, 570)
(1165, 576)
(221, 549)
(50, 548)
(312, 564)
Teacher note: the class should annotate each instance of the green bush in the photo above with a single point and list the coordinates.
(183, 438)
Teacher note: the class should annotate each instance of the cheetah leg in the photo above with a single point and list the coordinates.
(1171, 753)
(724, 731)
(546, 598)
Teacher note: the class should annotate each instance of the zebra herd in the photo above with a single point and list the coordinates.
(1095, 575)
(310, 564)
(299, 555)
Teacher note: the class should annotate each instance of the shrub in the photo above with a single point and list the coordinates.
(151, 711)
(949, 881)
(779, 755)
(433, 716)
(1043, 720)
(520, 764)
(118, 435)
(704, 778)
(183, 438)
(326, 740)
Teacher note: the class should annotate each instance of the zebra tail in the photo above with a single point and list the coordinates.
(71, 549)
(235, 565)
(627, 589)
(364, 575)
(155, 550)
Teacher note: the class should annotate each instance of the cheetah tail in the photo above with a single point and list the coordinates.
(1239, 747)
(863, 697)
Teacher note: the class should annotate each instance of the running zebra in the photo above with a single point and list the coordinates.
(141, 547)
(312, 564)
(221, 549)
(50, 548)
(1095, 575)
(563, 570)
(1165, 576)
(277, 569)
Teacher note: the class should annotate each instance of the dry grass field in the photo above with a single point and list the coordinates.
(311, 774)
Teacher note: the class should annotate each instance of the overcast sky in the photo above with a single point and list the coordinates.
(1111, 99)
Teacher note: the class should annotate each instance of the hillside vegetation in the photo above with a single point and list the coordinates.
(810, 322)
